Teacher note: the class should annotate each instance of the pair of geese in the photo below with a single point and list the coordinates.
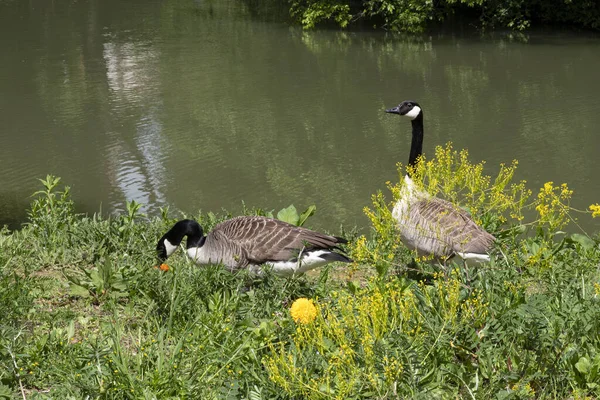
(427, 224)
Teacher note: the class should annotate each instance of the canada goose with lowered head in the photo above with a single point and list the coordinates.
(428, 224)
(251, 241)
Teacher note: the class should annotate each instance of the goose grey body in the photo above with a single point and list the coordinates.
(428, 224)
(249, 242)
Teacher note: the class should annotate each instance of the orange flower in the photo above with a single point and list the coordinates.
(164, 267)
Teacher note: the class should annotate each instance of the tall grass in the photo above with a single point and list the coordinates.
(84, 313)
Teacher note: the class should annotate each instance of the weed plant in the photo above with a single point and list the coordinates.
(84, 313)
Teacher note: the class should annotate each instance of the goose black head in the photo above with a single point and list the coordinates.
(408, 108)
(169, 242)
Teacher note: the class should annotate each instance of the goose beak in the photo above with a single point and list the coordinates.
(395, 110)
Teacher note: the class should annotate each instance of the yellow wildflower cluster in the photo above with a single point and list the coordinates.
(387, 241)
(444, 295)
(552, 205)
(346, 331)
(523, 390)
(474, 310)
(359, 251)
(303, 311)
(449, 175)
(345, 338)
(581, 394)
(595, 209)
(392, 369)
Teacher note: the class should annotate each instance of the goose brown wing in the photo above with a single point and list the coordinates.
(264, 239)
(445, 227)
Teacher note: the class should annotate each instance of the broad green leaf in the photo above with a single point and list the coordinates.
(306, 214)
(80, 291)
(289, 215)
(71, 329)
(119, 285)
(97, 280)
(583, 240)
(583, 365)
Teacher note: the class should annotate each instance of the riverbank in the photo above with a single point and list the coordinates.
(85, 314)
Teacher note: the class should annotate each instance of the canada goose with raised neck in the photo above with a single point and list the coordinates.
(428, 224)
(252, 241)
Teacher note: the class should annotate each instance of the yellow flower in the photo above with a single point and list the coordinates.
(595, 209)
(303, 311)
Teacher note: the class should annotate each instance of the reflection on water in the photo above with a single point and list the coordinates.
(135, 164)
(203, 104)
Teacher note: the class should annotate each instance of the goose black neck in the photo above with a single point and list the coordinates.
(189, 228)
(416, 146)
(195, 241)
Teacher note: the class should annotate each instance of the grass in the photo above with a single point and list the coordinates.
(84, 314)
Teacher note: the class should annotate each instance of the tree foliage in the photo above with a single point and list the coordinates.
(416, 15)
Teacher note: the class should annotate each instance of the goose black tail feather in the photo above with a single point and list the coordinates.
(340, 240)
(336, 257)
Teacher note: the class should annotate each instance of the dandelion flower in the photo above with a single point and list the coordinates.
(164, 267)
(303, 311)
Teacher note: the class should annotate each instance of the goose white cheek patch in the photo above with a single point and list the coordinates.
(414, 113)
(170, 247)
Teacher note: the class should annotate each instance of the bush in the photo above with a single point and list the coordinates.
(521, 326)
(415, 16)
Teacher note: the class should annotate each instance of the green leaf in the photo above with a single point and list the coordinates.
(119, 285)
(97, 281)
(353, 286)
(80, 291)
(307, 214)
(583, 365)
(5, 392)
(117, 295)
(71, 329)
(583, 240)
(73, 279)
(289, 215)
(255, 394)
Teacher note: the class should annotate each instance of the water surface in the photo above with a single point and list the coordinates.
(205, 104)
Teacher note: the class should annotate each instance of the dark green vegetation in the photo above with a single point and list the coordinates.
(416, 15)
(84, 314)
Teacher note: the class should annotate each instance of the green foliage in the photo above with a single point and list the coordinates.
(97, 282)
(313, 12)
(518, 327)
(414, 16)
(399, 15)
(85, 314)
(290, 215)
(51, 209)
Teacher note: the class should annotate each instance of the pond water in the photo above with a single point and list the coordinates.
(205, 104)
